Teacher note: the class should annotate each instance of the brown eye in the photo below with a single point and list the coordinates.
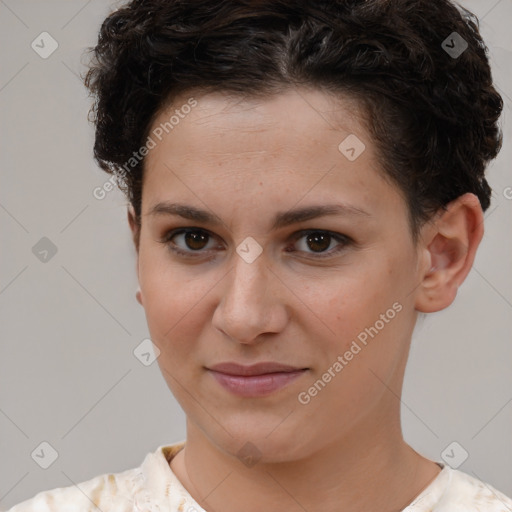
(188, 242)
(320, 244)
(196, 240)
(195, 243)
(318, 241)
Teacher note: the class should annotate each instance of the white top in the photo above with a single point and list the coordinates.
(153, 487)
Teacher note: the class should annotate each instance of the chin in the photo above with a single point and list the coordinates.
(260, 441)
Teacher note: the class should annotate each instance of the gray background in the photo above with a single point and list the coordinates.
(70, 325)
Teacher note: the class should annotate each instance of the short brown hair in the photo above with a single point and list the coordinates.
(433, 116)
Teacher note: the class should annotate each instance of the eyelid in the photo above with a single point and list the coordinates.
(342, 239)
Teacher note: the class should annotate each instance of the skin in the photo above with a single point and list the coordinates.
(245, 161)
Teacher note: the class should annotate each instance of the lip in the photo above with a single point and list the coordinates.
(256, 380)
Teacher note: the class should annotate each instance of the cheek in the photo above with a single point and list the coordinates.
(372, 326)
(369, 305)
(171, 300)
(350, 302)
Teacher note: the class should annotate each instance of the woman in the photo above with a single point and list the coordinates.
(303, 179)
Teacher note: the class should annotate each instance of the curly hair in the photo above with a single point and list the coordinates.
(432, 115)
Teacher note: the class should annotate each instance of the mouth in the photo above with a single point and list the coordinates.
(256, 380)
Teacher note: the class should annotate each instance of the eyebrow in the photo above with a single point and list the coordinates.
(281, 219)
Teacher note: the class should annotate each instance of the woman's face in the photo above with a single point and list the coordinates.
(264, 277)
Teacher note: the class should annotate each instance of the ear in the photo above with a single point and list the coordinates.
(449, 245)
(135, 229)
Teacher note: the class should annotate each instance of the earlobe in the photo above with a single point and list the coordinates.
(450, 245)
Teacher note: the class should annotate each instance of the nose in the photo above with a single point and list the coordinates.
(251, 302)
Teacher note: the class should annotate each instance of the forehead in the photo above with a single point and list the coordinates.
(301, 113)
(291, 145)
(285, 128)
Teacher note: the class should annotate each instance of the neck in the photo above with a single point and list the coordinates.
(367, 468)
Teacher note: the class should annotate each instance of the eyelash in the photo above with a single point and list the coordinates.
(342, 239)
